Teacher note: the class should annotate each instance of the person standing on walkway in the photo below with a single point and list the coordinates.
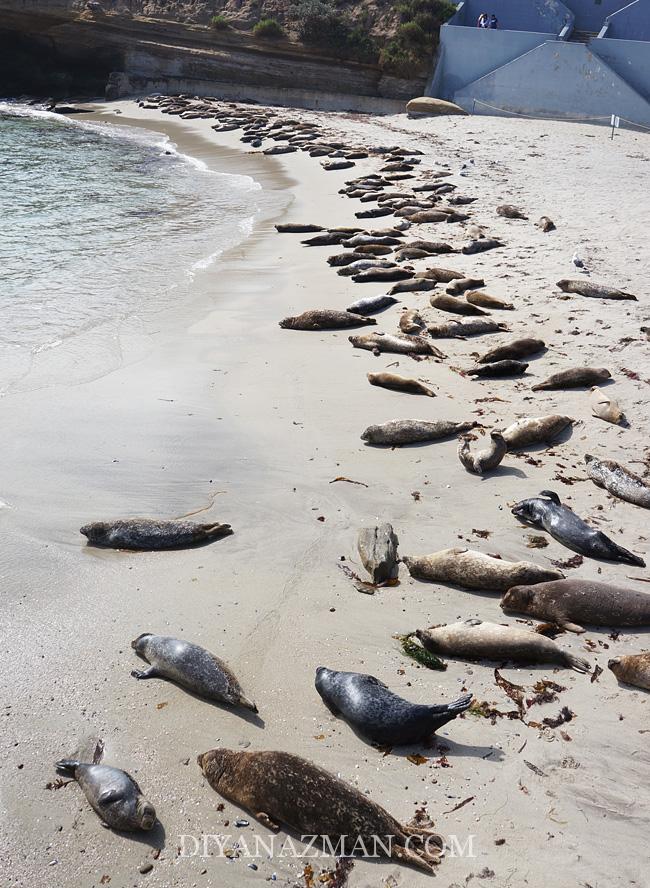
(482, 20)
(494, 23)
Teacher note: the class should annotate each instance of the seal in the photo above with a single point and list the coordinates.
(441, 275)
(358, 240)
(326, 239)
(382, 274)
(340, 260)
(371, 304)
(519, 348)
(113, 794)
(363, 263)
(632, 669)
(459, 329)
(431, 247)
(605, 407)
(546, 511)
(412, 431)
(484, 300)
(571, 603)
(595, 291)
(460, 285)
(470, 569)
(545, 223)
(379, 715)
(576, 377)
(374, 213)
(400, 383)
(498, 368)
(618, 481)
(377, 548)
(374, 249)
(147, 534)
(325, 319)
(415, 285)
(406, 253)
(191, 667)
(484, 460)
(476, 640)
(277, 787)
(443, 302)
(297, 228)
(510, 212)
(481, 245)
(536, 430)
(397, 344)
(411, 322)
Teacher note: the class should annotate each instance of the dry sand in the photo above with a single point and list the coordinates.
(224, 407)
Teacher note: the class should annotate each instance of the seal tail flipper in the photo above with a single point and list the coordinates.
(628, 557)
(554, 498)
(216, 530)
(578, 663)
(67, 767)
(455, 707)
(421, 861)
(247, 704)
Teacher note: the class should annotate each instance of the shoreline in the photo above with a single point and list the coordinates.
(261, 421)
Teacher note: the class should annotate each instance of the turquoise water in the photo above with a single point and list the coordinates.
(102, 227)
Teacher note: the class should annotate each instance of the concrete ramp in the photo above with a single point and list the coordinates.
(555, 79)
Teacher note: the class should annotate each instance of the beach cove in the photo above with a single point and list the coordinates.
(225, 411)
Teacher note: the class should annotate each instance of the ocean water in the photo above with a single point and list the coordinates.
(102, 227)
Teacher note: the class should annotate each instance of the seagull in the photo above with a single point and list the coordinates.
(577, 261)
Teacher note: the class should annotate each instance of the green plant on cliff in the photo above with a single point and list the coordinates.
(319, 23)
(268, 29)
(219, 22)
(409, 53)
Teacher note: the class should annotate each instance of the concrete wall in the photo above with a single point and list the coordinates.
(630, 23)
(544, 16)
(590, 15)
(629, 58)
(468, 53)
(558, 80)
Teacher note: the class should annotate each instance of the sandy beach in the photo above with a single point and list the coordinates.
(218, 409)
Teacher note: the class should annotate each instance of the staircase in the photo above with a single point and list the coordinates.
(582, 36)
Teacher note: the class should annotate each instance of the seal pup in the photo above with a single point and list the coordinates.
(605, 407)
(470, 569)
(632, 669)
(481, 245)
(191, 667)
(576, 377)
(377, 547)
(483, 460)
(443, 302)
(572, 603)
(411, 321)
(484, 300)
(596, 291)
(371, 304)
(148, 534)
(498, 368)
(476, 640)
(618, 481)
(546, 511)
(397, 432)
(379, 715)
(454, 329)
(325, 319)
(510, 212)
(545, 223)
(112, 793)
(536, 430)
(281, 788)
(400, 383)
(519, 348)
(396, 344)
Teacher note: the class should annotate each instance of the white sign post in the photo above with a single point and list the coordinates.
(616, 121)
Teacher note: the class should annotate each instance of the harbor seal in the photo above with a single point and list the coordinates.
(191, 667)
(399, 344)
(461, 285)
(576, 377)
(605, 407)
(325, 319)
(441, 275)
(297, 228)
(519, 348)
(379, 715)
(400, 383)
(382, 274)
(377, 547)
(618, 481)
(398, 432)
(485, 300)
(470, 569)
(411, 321)
(371, 304)
(481, 245)
(363, 263)
(546, 224)
(510, 212)
(374, 250)
(632, 669)
(547, 512)
(498, 368)
(483, 460)
(113, 794)
(148, 534)
(454, 329)
(414, 285)
(574, 603)
(443, 302)
(280, 788)
(536, 430)
(596, 291)
(476, 640)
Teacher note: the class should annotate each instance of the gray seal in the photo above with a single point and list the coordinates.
(483, 460)
(147, 534)
(618, 481)
(371, 304)
(413, 431)
(191, 667)
(379, 715)
(325, 319)
(546, 511)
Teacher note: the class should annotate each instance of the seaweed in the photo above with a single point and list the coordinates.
(418, 653)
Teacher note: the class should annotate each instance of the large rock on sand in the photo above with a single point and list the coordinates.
(432, 107)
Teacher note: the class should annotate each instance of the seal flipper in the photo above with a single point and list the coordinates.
(554, 498)
(577, 663)
(422, 861)
(110, 796)
(67, 767)
(266, 821)
(621, 554)
(572, 627)
(151, 672)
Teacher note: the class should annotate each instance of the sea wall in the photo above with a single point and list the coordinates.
(629, 58)
(630, 23)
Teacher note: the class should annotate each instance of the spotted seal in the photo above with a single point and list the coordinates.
(398, 432)
(618, 481)
(444, 302)
(632, 669)
(595, 291)
(149, 534)
(400, 383)
(325, 319)
(483, 460)
(536, 430)
(576, 377)
(518, 348)
(470, 569)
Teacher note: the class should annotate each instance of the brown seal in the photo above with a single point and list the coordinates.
(536, 430)
(325, 319)
(280, 788)
(411, 322)
(441, 275)
(397, 432)
(498, 369)
(397, 344)
(605, 407)
(443, 302)
(454, 329)
(510, 212)
(470, 569)
(576, 377)
(460, 285)
(596, 291)
(483, 460)
(519, 348)
(481, 245)
(571, 603)
(546, 224)
(485, 300)
(632, 669)
(400, 383)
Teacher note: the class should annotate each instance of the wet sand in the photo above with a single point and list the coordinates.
(225, 410)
